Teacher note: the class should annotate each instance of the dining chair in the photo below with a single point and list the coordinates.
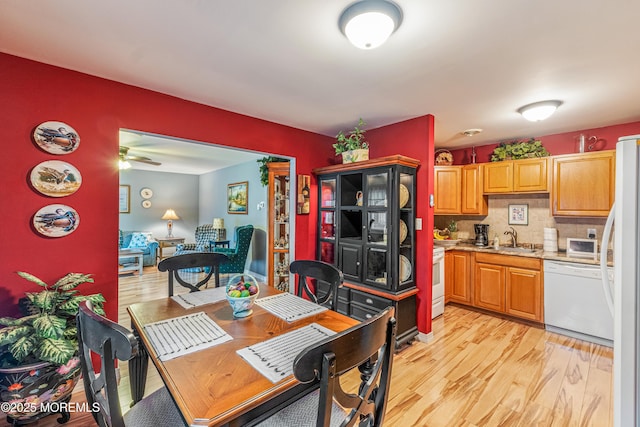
(110, 341)
(193, 270)
(369, 347)
(321, 272)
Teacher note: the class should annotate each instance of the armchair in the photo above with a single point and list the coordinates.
(204, 233)
(142, 241)
(238, 255)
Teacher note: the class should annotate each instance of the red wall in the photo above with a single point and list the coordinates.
(559, 143)
(414, 138)
(96, 108)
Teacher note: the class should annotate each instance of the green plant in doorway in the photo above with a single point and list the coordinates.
(264, 169)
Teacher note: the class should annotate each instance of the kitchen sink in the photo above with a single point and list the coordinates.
(520, 250)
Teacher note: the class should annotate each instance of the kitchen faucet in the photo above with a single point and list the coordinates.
(514, 236)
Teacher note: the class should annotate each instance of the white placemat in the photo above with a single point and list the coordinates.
(274, 358)
(290, 307)
(196, 299)
(183, 335)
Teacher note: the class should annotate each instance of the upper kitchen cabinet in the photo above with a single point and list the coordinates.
(458, 190)
(583, 184)
(516, 176)
(446, 190)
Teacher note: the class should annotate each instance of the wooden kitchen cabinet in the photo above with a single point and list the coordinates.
(516, 176)
(583, 184)
(446, 190)
(508, 284)
(458, 190)
(457, 277)
(473, 201)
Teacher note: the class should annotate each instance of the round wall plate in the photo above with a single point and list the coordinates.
(146, 204)
(146, 193)
(56, 138)
(56, 220)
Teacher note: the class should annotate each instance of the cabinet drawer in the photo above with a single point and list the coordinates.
(323, 288)
(371, 301)
(343, 306)
(361, 313)
(508, 260)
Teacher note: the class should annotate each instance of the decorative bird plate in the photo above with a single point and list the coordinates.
(55, 178)
(56, 220)
(56, 138)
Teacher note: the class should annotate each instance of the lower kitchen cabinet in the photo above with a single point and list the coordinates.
(509, 284)
(457, 276)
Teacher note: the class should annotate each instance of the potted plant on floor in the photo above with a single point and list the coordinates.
(39, 363)
(352, 145)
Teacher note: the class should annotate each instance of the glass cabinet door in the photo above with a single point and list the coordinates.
(327, 225)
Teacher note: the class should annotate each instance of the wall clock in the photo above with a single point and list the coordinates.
(146, 193)
(146, 204)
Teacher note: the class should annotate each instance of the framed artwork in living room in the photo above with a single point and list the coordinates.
(124, 199)
(238, 197)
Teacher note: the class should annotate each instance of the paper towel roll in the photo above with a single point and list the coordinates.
(550, 243)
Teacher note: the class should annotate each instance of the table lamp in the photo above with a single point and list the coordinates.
(218, 226)
(170, 215)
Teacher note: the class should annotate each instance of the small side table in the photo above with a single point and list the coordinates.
(167, 242)
(136, 254)
(218, 244)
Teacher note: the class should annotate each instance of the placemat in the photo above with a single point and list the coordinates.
(183, 335)
(290, 307)
(274, 358)
(196, 299)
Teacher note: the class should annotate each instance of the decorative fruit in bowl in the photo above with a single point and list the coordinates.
(242, 291)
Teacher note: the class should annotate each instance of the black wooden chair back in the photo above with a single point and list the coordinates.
(319, 271)
(110, 341)
(369, 347)
(186, 266)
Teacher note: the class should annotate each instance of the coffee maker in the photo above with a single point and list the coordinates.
(482, 234)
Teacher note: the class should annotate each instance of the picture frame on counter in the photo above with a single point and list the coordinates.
(519, 214)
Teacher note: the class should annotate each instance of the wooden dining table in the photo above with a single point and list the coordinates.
(215, 386)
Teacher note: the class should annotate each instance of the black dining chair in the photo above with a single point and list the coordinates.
(110, 341)
(321, 272)
(369, 347)
(193, 270)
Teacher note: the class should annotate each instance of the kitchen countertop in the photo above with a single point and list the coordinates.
(538, 253)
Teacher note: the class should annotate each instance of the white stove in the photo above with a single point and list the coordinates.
(438, 282)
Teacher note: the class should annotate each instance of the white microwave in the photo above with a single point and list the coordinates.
(582, 248)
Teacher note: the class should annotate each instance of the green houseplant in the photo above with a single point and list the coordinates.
(519, 150)
(264, 169)
(352, 144)
(38, 352)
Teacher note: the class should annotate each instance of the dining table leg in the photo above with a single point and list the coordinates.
(138, 371)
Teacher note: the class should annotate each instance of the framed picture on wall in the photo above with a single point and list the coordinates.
(238, 197)
(124, 200)
(519, 214)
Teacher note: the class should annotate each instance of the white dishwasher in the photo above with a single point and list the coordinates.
(574, 302)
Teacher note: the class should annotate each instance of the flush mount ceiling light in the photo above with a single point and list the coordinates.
(539, 110)
(369, 23)
(471, 132)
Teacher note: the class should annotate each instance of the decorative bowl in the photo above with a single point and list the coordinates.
(241, 305)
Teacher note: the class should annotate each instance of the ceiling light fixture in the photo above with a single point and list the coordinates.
(471, 132)
(539, 110)
(369, 23)
(124, 164)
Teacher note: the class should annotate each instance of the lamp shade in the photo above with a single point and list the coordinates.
(170, 214)
(218, 223)
(369, 23)
(539, 110)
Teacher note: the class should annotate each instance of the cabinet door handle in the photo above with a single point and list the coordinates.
(368, 316)
(369, 301)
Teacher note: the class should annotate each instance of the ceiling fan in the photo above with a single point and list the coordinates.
(124, 158)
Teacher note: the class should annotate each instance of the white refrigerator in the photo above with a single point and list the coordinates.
(625, 291)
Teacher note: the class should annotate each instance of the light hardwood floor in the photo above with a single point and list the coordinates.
(479, 370)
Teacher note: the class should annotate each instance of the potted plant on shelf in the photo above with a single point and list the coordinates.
(453, 230)
(352, 145)
(516, 150)
(39, 362)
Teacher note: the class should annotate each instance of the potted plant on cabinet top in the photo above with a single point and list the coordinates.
(39, 362)
(352, 145)
(516, 150)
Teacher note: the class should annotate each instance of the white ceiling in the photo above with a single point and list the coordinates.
(469, 63)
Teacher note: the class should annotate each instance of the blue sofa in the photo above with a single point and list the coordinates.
(149, 248)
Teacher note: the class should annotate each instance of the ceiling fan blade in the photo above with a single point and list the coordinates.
(143, 160)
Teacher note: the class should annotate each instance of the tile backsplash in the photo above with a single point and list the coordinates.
(539, 218)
